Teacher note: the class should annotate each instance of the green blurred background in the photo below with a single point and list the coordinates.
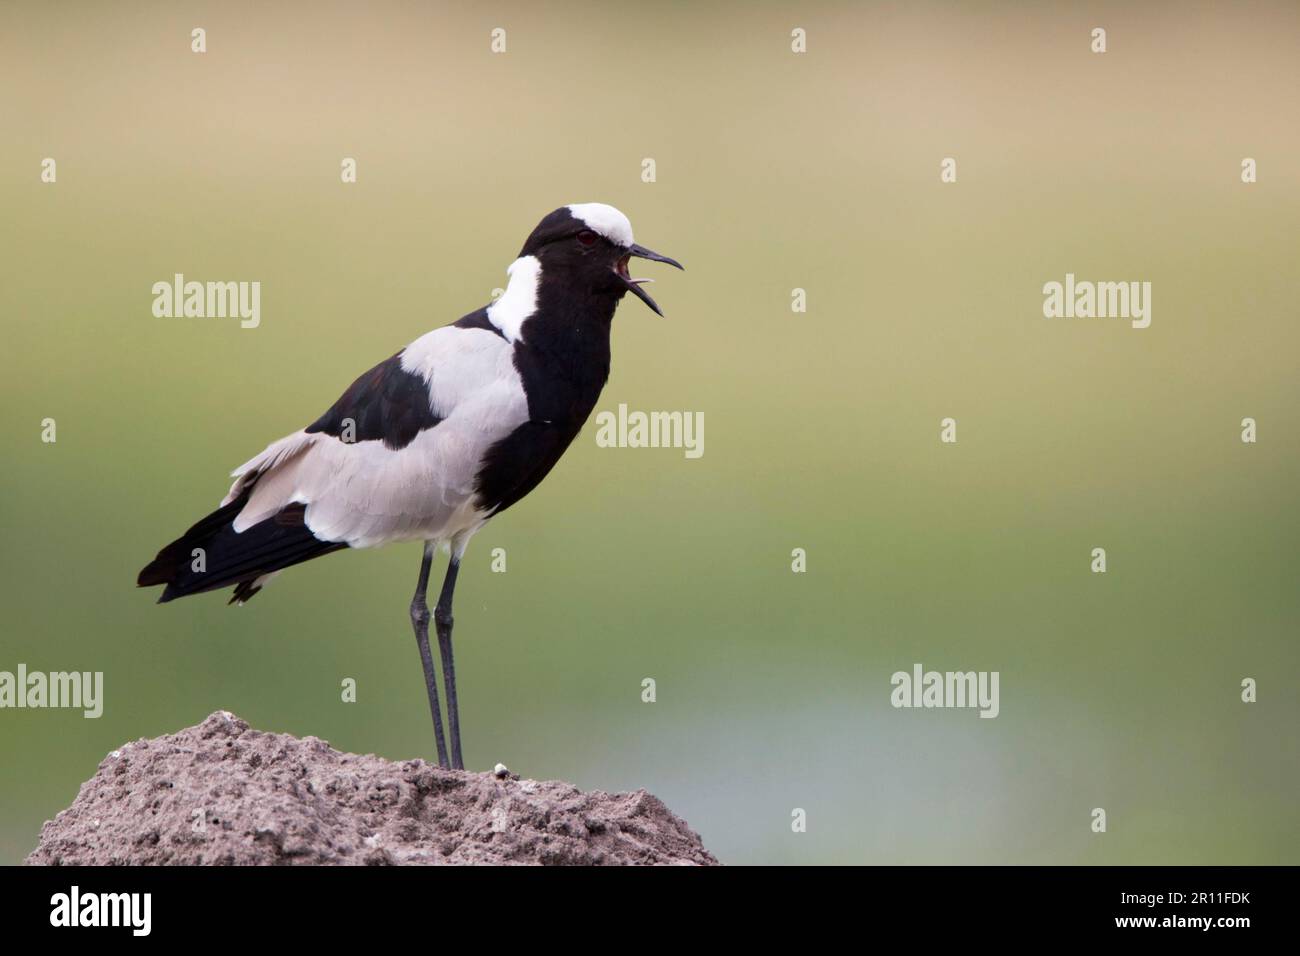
(775, 171)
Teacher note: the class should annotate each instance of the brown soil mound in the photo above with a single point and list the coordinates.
(222, 793)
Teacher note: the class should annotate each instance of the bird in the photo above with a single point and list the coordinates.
(432, 442)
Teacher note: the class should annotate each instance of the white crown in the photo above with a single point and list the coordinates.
(606, 220)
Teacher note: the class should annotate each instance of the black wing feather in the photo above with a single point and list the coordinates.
(386, 403)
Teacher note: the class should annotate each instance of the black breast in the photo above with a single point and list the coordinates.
(563, 361)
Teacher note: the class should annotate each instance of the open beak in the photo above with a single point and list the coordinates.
(634, 285)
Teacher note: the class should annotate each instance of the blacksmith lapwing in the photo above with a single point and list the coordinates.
(431, 443)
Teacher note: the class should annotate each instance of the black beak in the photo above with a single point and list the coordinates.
(634, 285)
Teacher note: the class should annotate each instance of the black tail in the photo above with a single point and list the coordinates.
(230, 557)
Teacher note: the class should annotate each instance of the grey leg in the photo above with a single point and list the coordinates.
(442, 620)
(420, 622)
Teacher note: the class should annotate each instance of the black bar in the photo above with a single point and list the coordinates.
(331, 905)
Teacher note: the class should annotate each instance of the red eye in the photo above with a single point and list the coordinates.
(587, 238)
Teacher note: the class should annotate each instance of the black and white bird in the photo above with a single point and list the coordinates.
(430, 444)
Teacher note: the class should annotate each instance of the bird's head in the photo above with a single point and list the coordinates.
(590, 244)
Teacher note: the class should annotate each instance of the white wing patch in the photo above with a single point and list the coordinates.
(367, 494)
(274, 455)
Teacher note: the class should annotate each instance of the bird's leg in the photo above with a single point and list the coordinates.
(420, 622)
(442, 621)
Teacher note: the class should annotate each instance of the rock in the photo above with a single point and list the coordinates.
(222, 793)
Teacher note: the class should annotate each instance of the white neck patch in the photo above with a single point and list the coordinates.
(606, 220)
(519, 301)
